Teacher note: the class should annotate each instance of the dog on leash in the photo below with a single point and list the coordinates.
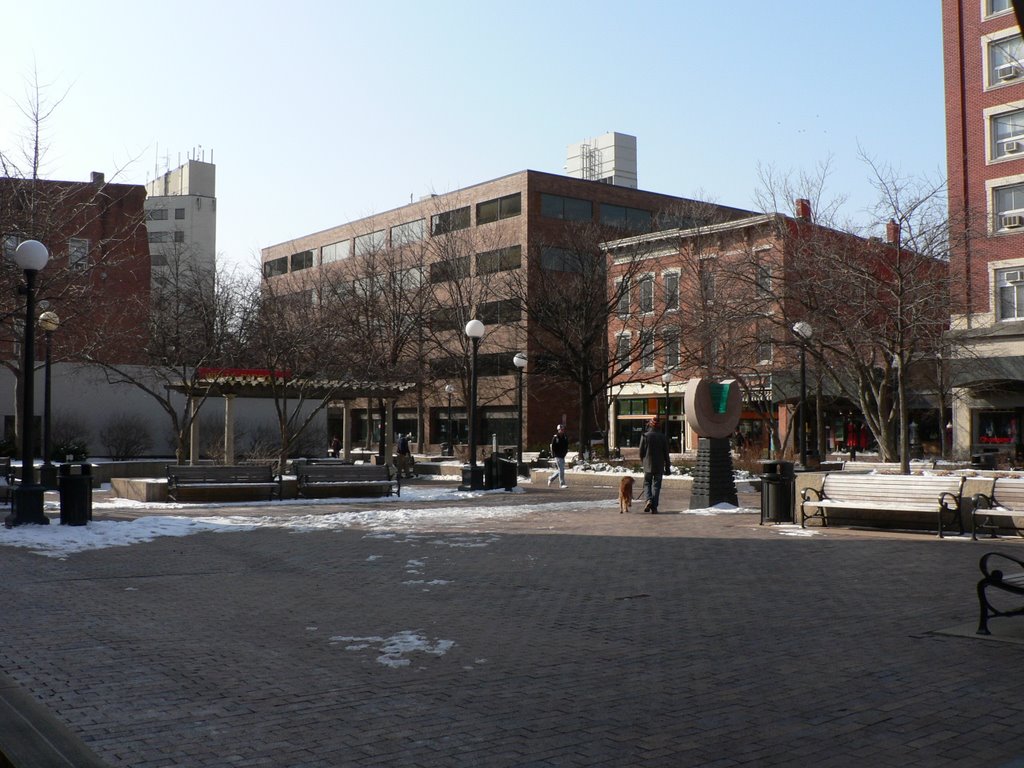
(625, 494)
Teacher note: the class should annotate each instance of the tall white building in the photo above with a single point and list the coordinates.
(610, 159)
(181, 219)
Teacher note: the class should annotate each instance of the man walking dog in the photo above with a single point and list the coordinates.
(654, 454)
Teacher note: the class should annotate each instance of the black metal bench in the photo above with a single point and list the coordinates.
(320, 480)
(1006, 501)
(7, 480)
(994, 578)
(229, 480)
(940, 494)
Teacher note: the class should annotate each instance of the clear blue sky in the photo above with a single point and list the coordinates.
(321, 112)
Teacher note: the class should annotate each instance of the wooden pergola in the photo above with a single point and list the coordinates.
(229, 383)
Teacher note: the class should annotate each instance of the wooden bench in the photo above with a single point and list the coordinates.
(321, 480)
(1006, 501)
(995, 578)
(885, 493)
(231, 481)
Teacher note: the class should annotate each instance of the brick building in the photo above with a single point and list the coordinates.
(504, 223)
(984, 76)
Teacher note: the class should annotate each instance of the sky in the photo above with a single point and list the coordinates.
(316, 113)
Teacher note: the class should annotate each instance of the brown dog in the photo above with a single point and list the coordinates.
(625, 494)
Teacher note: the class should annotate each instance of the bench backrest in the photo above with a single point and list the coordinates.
(220, 473)
(913, 488)
(1009, 492)
(318, 473)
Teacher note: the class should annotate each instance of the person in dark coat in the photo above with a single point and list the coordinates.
(559, 449)
(654, 454)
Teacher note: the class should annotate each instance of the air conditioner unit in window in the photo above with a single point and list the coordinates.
(1012, 221)
(1013, 277)
(1012, 147)
(1007, 71)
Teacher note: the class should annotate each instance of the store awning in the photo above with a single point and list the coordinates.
(988, 373)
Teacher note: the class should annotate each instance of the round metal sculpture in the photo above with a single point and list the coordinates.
(713, 409)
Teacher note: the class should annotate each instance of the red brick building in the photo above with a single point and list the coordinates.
(984, 75)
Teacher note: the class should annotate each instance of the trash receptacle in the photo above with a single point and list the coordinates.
(508, 474)
(75, 494)
(777, 484)
(490, 468)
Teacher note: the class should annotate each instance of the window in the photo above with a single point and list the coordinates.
(446, 319)
(670, 337)
(566, 208)
(78, 253)
(992, 7)
(500, 260)
(671, 283)
(158, 260)
(275, 267)
(499, 312)
(647, 350)
(335, 251)
(500, 208)
(371, 243)
(159, 237)
(302, 260)
(1008, 134)
(1010, 289)
(626, 218)
(647, 293)
(179, 236)
(763, 280)
(707, 284)
(410, 232)
(156, 214)
(449, 269)
(623, 288)
(1009, 208)
(1005, 60)
(622, 348)
(556, 259)
(449, 221)
(179, 213)
(764, 347)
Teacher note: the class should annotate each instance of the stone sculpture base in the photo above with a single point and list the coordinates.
(712, 477)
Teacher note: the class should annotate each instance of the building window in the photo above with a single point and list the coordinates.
(499, 312)
(156, 214)
(500, 208)
(449, 221)
(623, 289)
(1010, 289)
(1005, 60)
(158, 260)
(500, 260)
(1008, 134)
(445, 319)
(670, 338)
(566, 208)
(671, 283)
(763, 280)
(179, 213)
(635, 219)
(410, 232)
(764, 347)
(449, 270)
(555, 259)
(370, 243)
(647, 350)
(179, 236)
(302, 260)
(647, 293)
(159, 237)
(275, 267)
(622, 345)
(992, 7)
(335, 251)
(1008, 203)
(78, 253)
(707, 284)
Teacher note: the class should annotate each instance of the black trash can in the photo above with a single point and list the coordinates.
(490, 470)
(508, 475)
(75, 491)
(777, 484)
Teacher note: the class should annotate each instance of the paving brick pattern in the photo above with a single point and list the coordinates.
(576, 637)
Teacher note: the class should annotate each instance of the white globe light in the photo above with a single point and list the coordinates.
(475, 329)
(31, 255)
(519, 360)
(803, 330)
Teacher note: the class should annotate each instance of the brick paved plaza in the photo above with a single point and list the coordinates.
(572, 637)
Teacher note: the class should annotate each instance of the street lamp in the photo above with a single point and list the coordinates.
(49, 321)
(449, 389)
(475, 331)
(666, 379)
(804, 332)
(31, 256)
(520, 363)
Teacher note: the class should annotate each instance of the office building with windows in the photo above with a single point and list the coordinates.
(984, 83)
(505, 225)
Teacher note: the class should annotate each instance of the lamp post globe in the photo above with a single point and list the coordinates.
(31, 256)
(519, 361)
(472, 476)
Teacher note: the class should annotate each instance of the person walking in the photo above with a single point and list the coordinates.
(654, 454)
(559, 448)
(334, 449)
(404, 457)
